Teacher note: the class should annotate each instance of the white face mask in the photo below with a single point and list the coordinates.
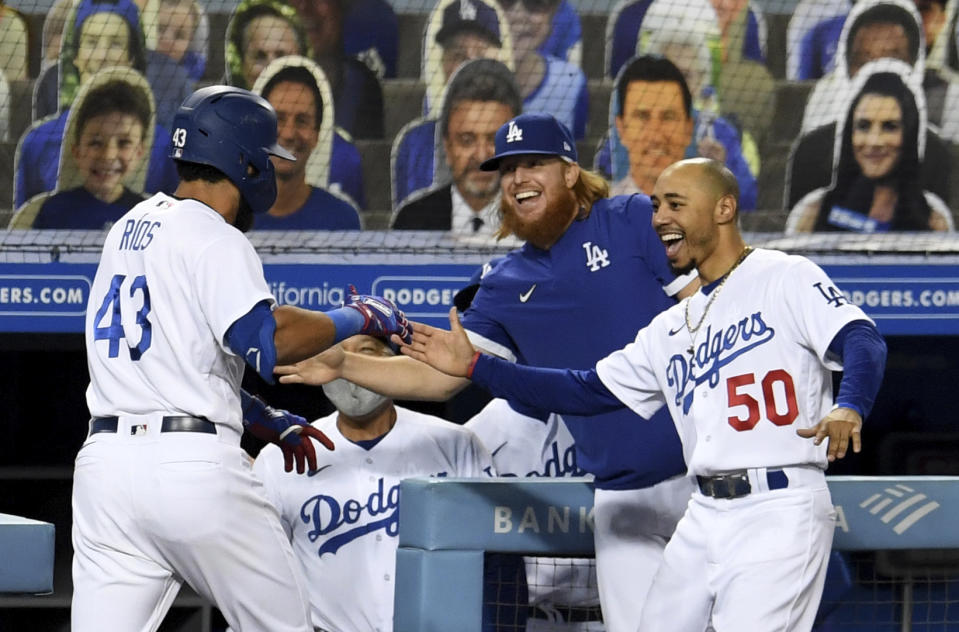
(352, 400)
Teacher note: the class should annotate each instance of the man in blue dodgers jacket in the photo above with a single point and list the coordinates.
(559, 301)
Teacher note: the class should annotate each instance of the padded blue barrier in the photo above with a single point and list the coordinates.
(446, 525)
(26, 555)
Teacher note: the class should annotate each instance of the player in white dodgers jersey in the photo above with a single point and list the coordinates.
(163, 492)
(744, 366)
(343, 517)
(559, 300)
(563, 593)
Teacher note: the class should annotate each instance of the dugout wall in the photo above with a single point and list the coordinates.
(899, 532)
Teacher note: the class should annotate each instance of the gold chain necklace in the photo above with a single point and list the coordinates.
(712, 297)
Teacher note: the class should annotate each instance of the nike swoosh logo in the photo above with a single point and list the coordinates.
(525, 297)
(318, 470)
(673, 332)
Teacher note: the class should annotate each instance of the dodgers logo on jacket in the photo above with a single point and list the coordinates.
(596, 257)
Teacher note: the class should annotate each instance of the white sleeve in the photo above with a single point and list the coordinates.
(229, 281)
(818, 308)
(629, 375)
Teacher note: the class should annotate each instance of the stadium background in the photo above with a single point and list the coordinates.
(43, 418)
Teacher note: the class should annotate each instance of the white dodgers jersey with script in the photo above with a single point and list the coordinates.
(343, 518)
(173, 277)
(759, 367)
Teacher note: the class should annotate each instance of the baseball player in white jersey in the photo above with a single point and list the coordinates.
(343, 517)
(563, 593)
(162, 491)
(558, 301)
(744, 367)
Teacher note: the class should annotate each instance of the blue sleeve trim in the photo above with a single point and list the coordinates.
(347, 321)
(863, 353)
(251, 338)
(564, 391)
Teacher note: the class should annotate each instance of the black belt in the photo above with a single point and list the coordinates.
(736, 484)
(569, 614)
(171, 423)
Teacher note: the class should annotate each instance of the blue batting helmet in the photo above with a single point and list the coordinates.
(233, 130)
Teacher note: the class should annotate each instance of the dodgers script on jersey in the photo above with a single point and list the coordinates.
(343, 518)
(523, 446)
(147, 349)
(744, 389)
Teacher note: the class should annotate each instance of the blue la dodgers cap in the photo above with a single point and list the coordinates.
(532, 134)
(473, 16)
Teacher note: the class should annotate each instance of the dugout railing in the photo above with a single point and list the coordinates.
(898, 534)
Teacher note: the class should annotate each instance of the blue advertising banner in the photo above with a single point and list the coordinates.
(903, 299)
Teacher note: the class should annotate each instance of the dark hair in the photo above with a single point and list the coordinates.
(190, 171)
(126, 10)
(886, 14)
(114, 96)
(301, 75)
(854, 191)
(481, 80)
(652, 68)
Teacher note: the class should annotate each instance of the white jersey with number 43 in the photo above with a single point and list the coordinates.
(755, 370)
(172, 278)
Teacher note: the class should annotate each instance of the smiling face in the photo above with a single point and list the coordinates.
(877, 135)
(654, 128)
(109, 148)
(296, 126)
(470, 140)
(266, 38)
(104, 41)
(683, 217)
(538, 204)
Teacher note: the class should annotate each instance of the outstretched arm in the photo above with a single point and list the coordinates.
(558, 390)
(397, 377)
(302, 333)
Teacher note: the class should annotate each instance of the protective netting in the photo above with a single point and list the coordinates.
(831, 116)
(874, 591)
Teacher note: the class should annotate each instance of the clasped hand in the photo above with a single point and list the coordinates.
(381, 317)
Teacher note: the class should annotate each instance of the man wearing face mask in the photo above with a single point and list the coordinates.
(342, 517)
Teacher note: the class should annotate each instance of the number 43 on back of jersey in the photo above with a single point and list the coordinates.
(108, 324)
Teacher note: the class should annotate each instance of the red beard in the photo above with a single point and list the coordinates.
(545, 230)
